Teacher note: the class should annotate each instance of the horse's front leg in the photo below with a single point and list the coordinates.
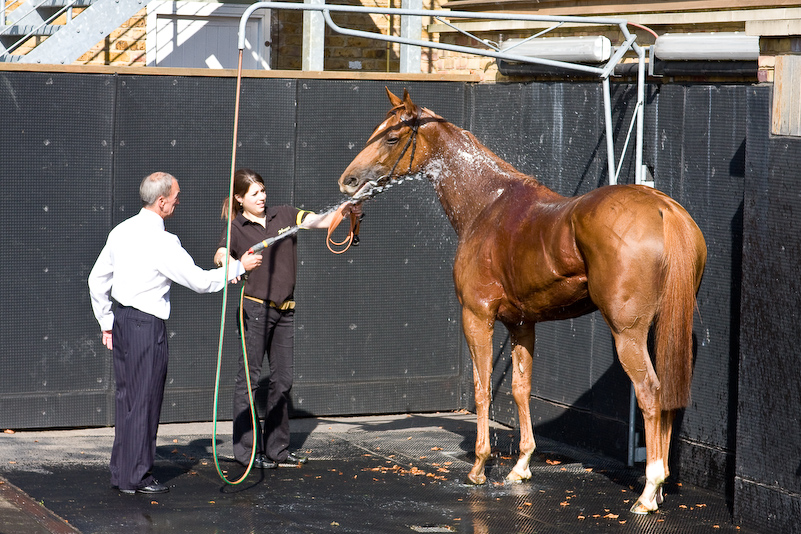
(478, 332)
(522, 351)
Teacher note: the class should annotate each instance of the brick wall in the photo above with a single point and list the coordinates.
(125, 46)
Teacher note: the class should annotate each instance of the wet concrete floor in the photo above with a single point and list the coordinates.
(391, 474)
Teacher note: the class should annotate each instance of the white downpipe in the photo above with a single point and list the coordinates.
(610, 145)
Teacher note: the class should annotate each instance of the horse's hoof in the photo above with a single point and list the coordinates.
(641, 509)
(477, 480)
(516, 476)
(660, 496)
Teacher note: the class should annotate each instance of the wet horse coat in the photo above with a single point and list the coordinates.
(527, 254)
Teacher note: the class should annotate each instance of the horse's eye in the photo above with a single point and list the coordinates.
(392, 139)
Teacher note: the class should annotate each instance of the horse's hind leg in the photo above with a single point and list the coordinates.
(522, 350)
(478, 332)
(632, 350)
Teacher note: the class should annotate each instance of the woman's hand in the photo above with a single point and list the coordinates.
(250, 261)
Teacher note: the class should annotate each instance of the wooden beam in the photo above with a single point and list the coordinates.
(606, 7)
(230, 73)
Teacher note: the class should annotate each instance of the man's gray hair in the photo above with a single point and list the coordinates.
(154, 186)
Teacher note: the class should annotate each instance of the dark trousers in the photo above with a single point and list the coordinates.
(270, 332)
(140, 369)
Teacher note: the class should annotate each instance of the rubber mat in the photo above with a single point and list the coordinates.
(396, 475)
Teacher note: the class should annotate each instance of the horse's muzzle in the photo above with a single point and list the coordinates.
(349, 185)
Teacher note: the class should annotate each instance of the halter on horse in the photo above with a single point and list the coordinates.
(526, 254)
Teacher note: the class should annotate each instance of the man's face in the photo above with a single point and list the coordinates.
(167, 205)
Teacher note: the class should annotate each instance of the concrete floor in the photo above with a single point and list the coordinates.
(389, 474)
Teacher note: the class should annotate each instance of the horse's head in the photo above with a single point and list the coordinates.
(389, 152)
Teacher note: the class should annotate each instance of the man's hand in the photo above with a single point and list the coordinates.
(107, 339)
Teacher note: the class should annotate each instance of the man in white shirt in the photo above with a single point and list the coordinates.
(136, 268)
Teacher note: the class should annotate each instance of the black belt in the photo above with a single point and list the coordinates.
(286, 305)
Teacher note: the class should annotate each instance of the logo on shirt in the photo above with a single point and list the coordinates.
(282, 230)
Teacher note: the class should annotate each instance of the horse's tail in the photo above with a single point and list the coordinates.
(684, 260)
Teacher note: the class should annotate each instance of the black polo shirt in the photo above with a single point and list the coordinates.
(275, 278)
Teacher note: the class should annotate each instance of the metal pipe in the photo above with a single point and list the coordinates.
(610, 145)
(632, 413)
(425, 13)
(622, 49)
(638, 175)
(327, 9)
(456, 48)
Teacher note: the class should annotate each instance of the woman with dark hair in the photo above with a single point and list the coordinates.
(269, 314)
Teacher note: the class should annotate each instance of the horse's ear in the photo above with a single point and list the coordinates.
(393, 100)
(411, 107)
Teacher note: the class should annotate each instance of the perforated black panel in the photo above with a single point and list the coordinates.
(768, 475)
(55, 160)
(378, 327)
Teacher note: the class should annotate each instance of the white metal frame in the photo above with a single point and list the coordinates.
(493, 50)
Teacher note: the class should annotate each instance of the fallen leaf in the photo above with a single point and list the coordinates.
(8, 431)
(581, 518)
(436, 448)
(611, 516)
(552, 462)
(564, 503)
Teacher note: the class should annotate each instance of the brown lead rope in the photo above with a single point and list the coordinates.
(352, 239)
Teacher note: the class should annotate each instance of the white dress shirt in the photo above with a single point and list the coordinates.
(139, 263)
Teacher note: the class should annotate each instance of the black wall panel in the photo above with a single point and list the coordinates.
(55, 162)
(382, 320)
(696, 149)
(378, 329)
(768, 475)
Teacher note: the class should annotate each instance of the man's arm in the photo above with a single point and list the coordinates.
(100, 281)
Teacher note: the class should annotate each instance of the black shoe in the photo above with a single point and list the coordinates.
(151, 489)
(295, 459)
(261, 462)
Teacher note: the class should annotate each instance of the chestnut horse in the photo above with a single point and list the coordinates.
(526, 254)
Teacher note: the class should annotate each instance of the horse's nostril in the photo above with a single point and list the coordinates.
(350, 181)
